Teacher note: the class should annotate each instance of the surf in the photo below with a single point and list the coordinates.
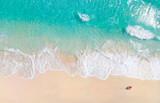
(140, 33)
(89, 38)
(84, 17)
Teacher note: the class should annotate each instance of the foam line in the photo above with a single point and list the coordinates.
(95, 63)
(140, 32)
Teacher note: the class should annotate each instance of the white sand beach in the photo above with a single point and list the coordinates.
(58, 87)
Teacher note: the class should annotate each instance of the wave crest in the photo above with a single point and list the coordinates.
(139, 32)
(83, 17)
(145, 13)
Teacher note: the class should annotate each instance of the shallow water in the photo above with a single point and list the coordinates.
(119, 37)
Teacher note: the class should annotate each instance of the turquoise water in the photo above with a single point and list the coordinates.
(76, 25)
(59, 20)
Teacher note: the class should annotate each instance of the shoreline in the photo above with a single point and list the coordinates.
(59, 87)
(89, 63)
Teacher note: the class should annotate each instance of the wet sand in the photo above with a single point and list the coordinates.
(58, 87)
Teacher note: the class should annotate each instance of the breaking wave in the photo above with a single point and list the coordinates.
(140, 32)
(84, 17)
(60, 23)
(89, 63)
(145, 13)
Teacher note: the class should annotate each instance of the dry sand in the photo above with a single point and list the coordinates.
(58, 87)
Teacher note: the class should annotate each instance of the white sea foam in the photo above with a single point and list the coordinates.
(95, 63)
(148, 16)
(84, 17)
(102, 63)
(129, 1)
(140, 32)
(28, 66)
(145, 13)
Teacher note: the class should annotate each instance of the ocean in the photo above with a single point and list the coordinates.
(89, 38)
